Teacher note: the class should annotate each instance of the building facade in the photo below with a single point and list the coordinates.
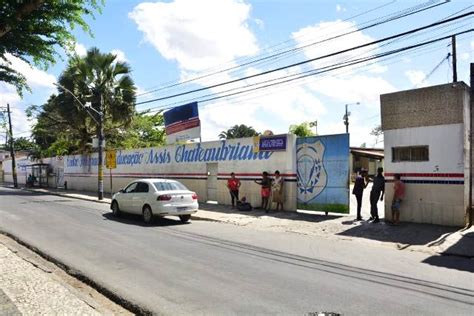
(426, 142)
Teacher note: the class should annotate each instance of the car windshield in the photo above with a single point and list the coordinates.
(169, 186)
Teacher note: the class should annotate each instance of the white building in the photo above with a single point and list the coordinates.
(426, 141)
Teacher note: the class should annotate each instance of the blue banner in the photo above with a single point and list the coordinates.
(323, 173)
(272, 143)
(181, 113)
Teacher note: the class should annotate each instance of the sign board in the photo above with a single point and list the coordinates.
(111, 159)
(323, 173)
(182, 123)
(272, 143)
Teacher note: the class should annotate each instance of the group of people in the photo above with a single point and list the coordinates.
(271, 188)
(377, 192)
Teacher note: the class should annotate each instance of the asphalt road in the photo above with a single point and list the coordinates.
(215, 268)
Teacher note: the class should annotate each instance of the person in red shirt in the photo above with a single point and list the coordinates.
(233, 184)
(398, 196)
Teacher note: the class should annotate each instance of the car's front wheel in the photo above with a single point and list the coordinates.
(185, 218)
(115, 209)
(147, 215)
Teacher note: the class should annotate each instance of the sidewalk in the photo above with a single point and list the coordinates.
(30, 285)
(427, 238)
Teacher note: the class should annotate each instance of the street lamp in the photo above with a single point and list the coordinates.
(87, 106)
(346, 116)
(315, 125)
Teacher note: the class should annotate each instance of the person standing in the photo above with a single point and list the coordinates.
(277, 190)
(358, 190)
(233, 184)
(378, 190)
(398, 196)
(265, 191)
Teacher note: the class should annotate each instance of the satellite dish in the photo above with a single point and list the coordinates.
(268, 133)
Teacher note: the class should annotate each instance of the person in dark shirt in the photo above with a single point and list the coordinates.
(358, 190)
(378, 190)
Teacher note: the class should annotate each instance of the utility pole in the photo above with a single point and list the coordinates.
(12, 148)
(455, 70)
(100, 132)
(100, 176)
(470, 211)
(315, 125)
(346, 116)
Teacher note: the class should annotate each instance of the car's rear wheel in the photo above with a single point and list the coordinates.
(147, 215)
(115, 209)
(185, 218)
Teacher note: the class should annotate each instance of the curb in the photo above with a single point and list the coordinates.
(65, 195)
(125, 303)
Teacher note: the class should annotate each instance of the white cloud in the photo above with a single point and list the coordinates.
(37, 80)
(259, 23)
(339, 8)
(34, 76)
(20, 121)
(356, 88)
(416, 77)
(465, 56)
(345, 85)
(194, 35)
(120, 55)
(325, 30)
(80, 49)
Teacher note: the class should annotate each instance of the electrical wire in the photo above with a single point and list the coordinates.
(327, 69)
(311, 59)
(405, 13)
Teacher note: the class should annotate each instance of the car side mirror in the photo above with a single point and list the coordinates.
(122, 191)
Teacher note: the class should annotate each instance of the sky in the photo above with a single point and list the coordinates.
(171, 43)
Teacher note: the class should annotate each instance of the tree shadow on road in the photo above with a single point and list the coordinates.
(131, 219)
(405, 233)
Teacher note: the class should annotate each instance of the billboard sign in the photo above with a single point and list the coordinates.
(323, 173)
(272, 143)
(182, 123)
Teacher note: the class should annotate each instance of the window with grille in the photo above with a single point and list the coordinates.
(410, 153)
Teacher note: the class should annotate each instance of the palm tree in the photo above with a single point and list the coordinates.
(238, 131)
(103, 81)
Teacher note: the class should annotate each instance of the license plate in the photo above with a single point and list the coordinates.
(180, 209)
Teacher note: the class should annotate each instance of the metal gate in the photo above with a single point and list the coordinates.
(323, 173)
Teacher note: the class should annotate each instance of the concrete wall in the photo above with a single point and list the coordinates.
(436, 105)
(190, 164)
(56, 166)
(434, 188)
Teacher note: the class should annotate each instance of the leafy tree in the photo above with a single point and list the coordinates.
(64, 126)
(23, 143)
(377, 132)
(32, 29)
(238, 131)
(146, 130)
(301, 130)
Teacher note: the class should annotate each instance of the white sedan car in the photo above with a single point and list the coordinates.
(155, 197)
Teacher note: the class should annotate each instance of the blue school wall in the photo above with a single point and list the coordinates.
(323, 173)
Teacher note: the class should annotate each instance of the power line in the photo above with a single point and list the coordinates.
(328, 68)
(388, 18)
(433, 70)
(311, 59)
